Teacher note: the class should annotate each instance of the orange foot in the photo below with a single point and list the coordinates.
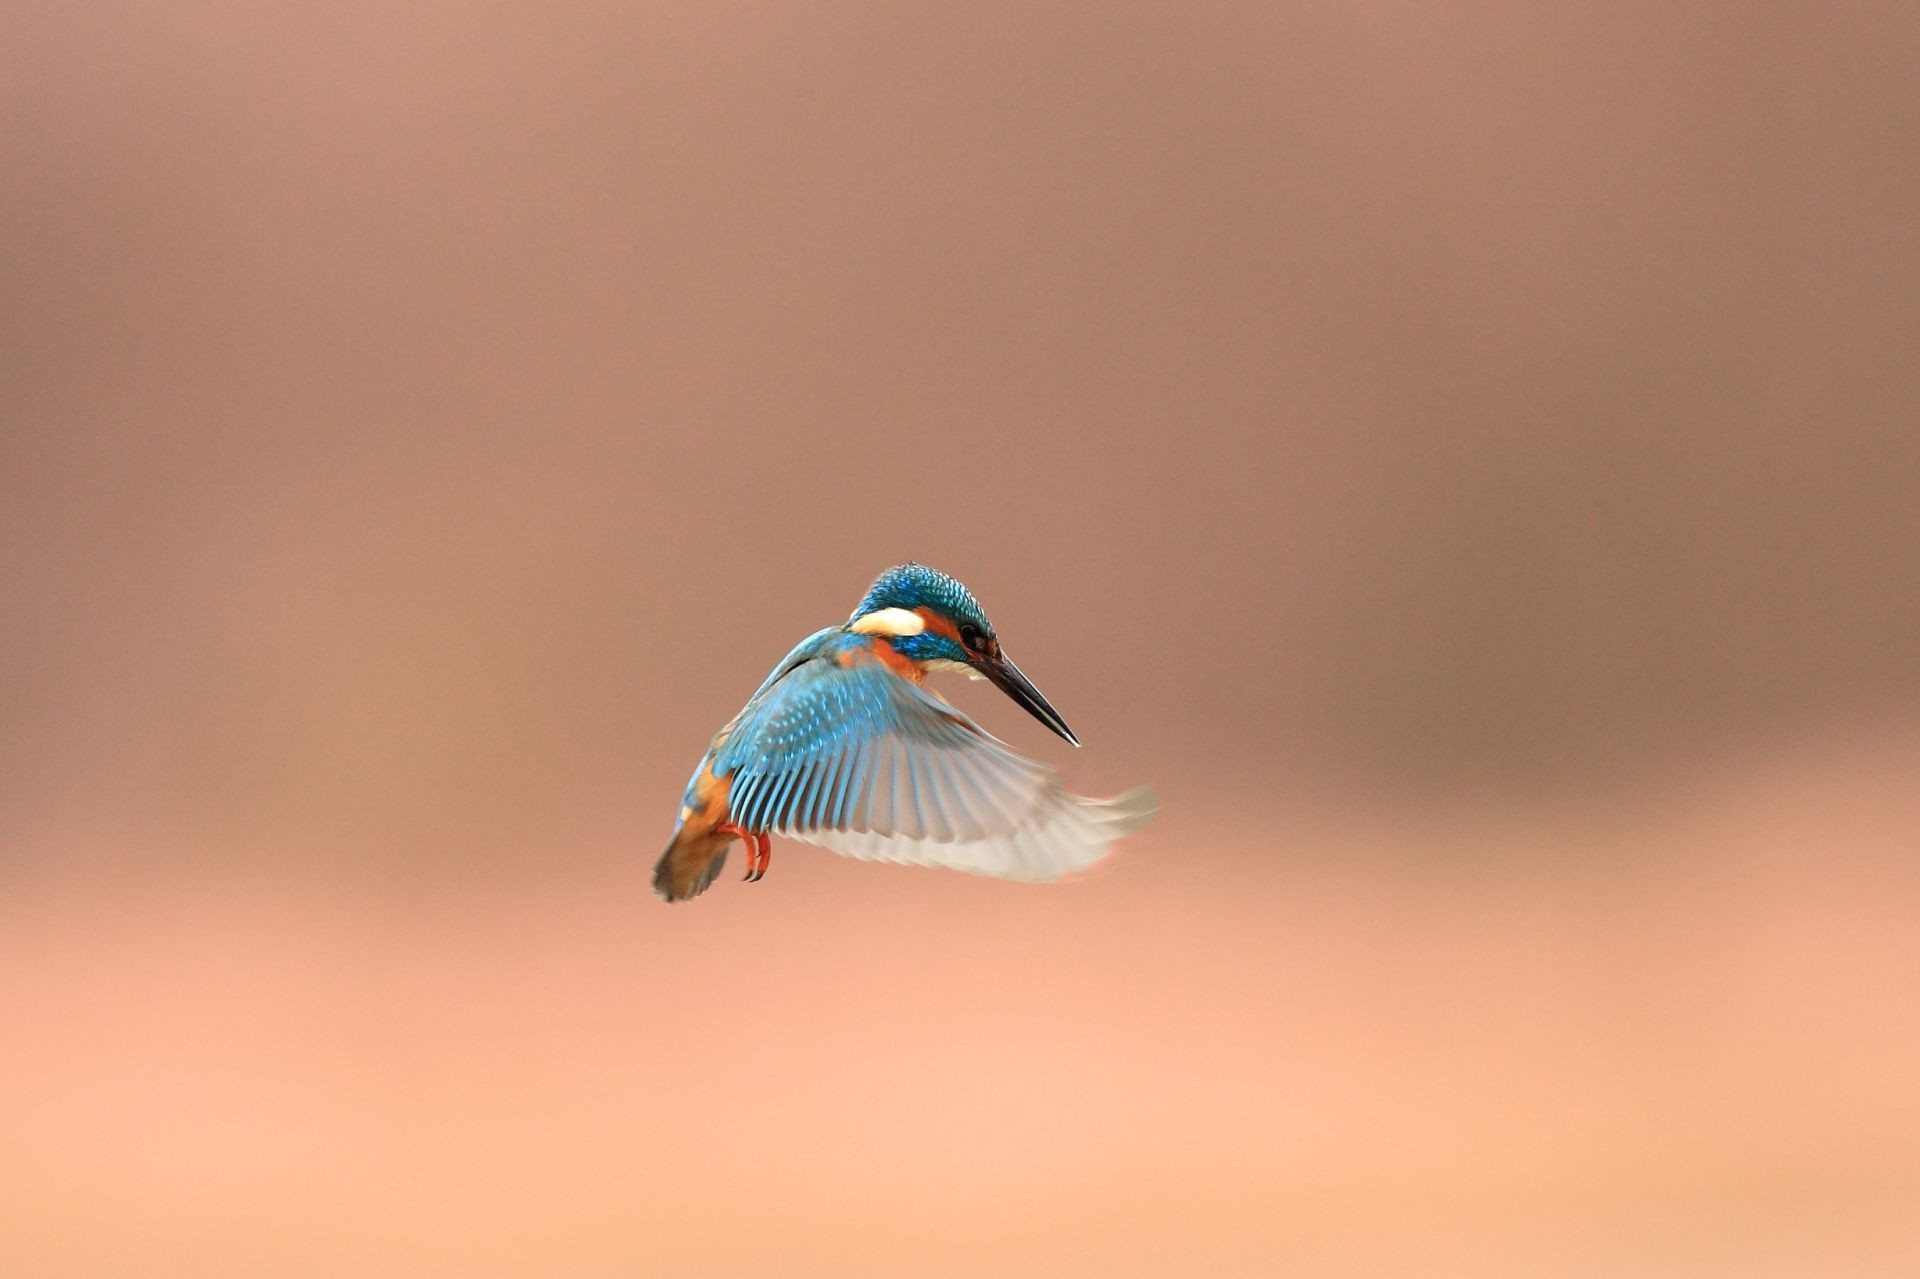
(759, 850)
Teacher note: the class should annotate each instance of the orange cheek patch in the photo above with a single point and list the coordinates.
(938, 625)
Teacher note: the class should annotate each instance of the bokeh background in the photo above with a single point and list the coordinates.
(1465, 455)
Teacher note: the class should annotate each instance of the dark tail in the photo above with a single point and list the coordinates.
(692, 861)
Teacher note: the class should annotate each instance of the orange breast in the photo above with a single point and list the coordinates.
(710, 794)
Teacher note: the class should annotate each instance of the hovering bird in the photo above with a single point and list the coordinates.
(842, 747)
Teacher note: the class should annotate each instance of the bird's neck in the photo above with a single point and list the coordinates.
(907, 668)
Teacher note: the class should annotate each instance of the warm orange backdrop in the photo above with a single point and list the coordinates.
(1466, 456)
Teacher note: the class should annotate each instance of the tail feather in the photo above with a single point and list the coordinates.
(690, 865)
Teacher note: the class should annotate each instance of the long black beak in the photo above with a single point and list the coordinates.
(1017, 686)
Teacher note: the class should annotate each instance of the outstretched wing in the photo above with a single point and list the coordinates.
(866, 764)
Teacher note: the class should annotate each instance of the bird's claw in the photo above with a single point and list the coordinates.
(759, 854)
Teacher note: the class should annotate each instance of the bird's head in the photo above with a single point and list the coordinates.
(935, 621)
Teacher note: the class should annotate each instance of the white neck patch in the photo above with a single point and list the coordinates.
(889, 621)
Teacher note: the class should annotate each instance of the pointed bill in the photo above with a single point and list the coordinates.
(1010, 681)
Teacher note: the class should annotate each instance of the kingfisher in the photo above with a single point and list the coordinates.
(844, 747)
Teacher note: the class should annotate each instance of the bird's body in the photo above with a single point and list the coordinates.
(842, 747)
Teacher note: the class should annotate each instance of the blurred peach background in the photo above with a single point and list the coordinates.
(1465, 455)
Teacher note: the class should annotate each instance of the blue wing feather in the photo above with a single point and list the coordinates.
(802, 753)
(849, 755)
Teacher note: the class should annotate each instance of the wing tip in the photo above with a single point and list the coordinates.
(1130, 810)
(1082, 837)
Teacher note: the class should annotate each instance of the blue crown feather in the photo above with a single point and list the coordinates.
(912, 586)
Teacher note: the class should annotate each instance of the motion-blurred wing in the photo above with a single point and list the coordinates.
(866, 764)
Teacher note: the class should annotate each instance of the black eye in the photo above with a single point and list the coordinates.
(970, 635)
